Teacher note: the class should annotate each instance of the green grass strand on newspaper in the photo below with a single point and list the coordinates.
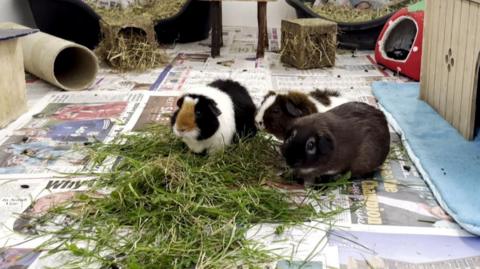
(169, 208)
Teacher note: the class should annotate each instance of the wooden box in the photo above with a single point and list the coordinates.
(13, 101)
(449, 79)
(309, 43)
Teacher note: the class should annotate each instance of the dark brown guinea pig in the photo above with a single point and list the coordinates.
(351, 137)
(277, 111)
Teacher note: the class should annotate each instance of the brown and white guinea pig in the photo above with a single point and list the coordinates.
(277, 111)
(210, 117)
(351, 137)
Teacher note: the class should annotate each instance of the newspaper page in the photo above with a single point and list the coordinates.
(191, 70)
(50, 138)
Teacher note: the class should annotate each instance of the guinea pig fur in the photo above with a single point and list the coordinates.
(351, 137)
(212, 116)
(277, 111)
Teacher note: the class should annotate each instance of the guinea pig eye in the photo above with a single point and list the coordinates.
(310, 147)
(198, 113)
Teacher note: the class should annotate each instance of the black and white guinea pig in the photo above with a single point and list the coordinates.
(351, 137)
(212, 116)
(277, 111)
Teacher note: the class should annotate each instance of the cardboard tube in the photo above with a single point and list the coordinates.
(65, 64)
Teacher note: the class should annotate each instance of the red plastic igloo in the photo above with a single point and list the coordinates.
(399, 46)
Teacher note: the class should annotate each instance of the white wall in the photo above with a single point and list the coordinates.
(16, 11)
(244, 13)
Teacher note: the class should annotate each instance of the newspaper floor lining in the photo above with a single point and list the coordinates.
(400, 226)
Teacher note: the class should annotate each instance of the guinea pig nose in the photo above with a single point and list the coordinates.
(290, 161)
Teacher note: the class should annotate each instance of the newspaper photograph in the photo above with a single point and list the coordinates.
(23, 199)
(17, 258)
(366, 250)
(16, 196)
(157, 110)
(49, 139)
(31, 156)
(389, 203)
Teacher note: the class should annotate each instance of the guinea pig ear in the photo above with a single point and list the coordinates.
(270, 93)
(213, 107)
(292, 109)
(180, 101)
(325, 144)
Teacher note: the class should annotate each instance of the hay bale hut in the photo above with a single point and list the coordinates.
(309, 43)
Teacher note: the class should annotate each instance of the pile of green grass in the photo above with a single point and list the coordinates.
(169, 208)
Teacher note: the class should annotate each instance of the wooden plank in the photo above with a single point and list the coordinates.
(427, 33)
(447, 49)
(266, 28)
(433, 48)
(439, 56)
(221, 24)
(464, 119)
(461, 64)
(216, 17)
(460, 17)
(472, 95)
(262, 28)
(12, 81)
(433, 42)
